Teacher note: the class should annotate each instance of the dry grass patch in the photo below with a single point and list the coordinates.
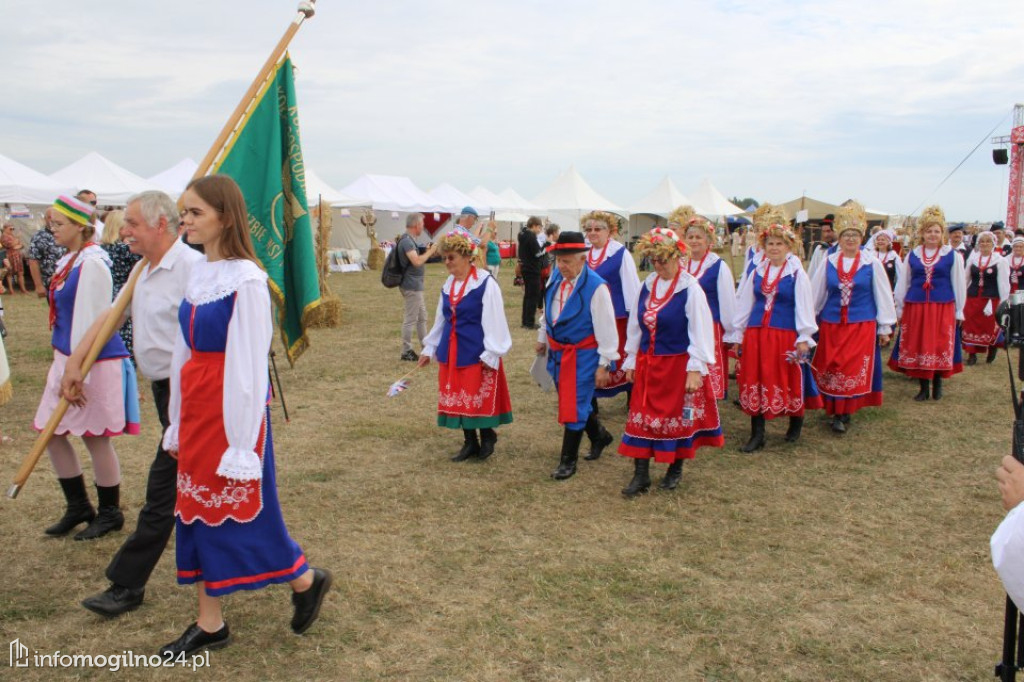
(856, 558)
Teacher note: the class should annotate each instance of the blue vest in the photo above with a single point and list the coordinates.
(207, 331)
(574, 322)
(709, 283)
(862, 303)
(942, 280)
(783, 314)
(672, 336)
(469, 331)
(609, 271)
(65, 302)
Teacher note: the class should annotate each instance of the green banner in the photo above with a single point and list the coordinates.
(265, 159)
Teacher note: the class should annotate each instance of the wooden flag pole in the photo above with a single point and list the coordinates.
(104, 334)
(305, 11)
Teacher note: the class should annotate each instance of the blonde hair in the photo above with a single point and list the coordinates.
(777, 231)
(680, 217)
(112, 227)
(932, 215)
(661, 242)
(603, 217)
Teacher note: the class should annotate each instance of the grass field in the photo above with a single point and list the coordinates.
(862, 557)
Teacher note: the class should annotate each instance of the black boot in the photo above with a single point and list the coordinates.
(991, 357)
(796, 425)
(922, 395)
(593, 406)
(837, 424)
(487, 440)
(756, 441)
(672, 476)
(641, 482)
(937, 387)
(570, 453)
(972, 360)
(109, 517)
(470, 448)
(79, 509)
(598, 435)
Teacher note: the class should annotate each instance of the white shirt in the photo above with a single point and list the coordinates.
(1007, 545)
(1002, 270)
(497, 339)
(726, 288)
(628, 276)
(806, 326)
(700, 325)
(158, 294)
(602, 314)
(885, 309)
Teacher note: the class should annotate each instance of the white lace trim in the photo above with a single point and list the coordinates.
(213, 281)
(90, 252)
(241, 465)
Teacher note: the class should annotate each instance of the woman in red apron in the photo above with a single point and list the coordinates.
(988, 284)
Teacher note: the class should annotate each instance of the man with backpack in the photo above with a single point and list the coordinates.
(412, 261)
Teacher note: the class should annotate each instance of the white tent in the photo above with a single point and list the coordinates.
(514, 202)
(176, 178)
(392, 193)
(568, 198)
(19, 184)
(111, 183)
(454, 200)
(711, 203)
(659, 203)
(317, 189)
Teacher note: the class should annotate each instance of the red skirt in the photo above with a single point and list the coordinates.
(657, 424)
(980, 330)
(926, 345)
(769, 384)
(718, 373)
(844, 359)
(617, 380)
(473, 392)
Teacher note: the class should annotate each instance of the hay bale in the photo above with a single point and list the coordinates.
(327, 315)
(375, 259)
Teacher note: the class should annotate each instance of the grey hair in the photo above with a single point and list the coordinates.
(412, 219)
(153, 204)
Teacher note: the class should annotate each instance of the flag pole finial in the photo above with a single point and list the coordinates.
(308, 7)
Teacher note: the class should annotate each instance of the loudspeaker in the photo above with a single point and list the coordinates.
(1000, 157)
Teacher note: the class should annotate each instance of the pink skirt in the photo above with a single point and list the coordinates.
(109, 392)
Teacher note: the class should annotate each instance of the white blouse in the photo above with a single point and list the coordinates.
(885, 309)
(700, 324)
(1002, 270)
(627, 271)
(957, 279)
(726, 290)
(246, 379)
(497, 339)
(602, 314)
(95, 289)
(806, 326)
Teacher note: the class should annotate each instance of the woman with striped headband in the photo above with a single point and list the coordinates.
(469, 338)
(671, 335)
(775, 322)
(988, 284)
(80, 290)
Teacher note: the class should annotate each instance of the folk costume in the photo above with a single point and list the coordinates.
(615, 265)
(580, 333)
(930, 295)
(988, 285)
(775, 312)
(854, 304)
(715, 279)
(230, 532)
(79, 291)
(671, 332)
(469, 338)
(1015, 267)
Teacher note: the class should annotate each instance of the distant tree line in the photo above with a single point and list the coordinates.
(746, 201)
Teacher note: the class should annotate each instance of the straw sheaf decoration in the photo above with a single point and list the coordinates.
(680, 217)
(851, 217)
(328, 313)
(777, 231)
(768, 214)
(661, 242)
(459, 241)
(699, 222)
(932, 215)
(601, 216)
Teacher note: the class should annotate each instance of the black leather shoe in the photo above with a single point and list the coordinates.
(470, 448)
(410, 356)
(598, 446)
(796, 426)
(115, 600)
(837, 424)
(972, 360)
(565, 470)
(922, 394)
(673, 476)
(991, 357)
(488, 438)
(194, 639)
(307, 604)
(641, 481)
(107, 520)
(75, 514)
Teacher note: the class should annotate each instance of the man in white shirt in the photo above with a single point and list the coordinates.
(581, 341)
(1008, 541)
(151, 230)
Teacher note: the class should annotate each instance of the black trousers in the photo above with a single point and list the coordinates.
(531, 297)
(138, 556)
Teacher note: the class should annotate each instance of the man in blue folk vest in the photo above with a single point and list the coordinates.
(581, 340)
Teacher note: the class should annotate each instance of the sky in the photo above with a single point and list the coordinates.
(876, 100)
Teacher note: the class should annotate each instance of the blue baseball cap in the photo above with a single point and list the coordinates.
(469, 210)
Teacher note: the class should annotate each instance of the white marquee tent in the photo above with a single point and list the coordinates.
(454, 200)
(711, 203)
(659, 203)
(111, 183)
(176, 178)
(568, 198)
(19, 184)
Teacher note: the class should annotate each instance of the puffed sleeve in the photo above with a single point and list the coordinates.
(433, 339)
(806, 324)
(497, 338)
(629, 278)
(886, 310)
(602, 312)
(902, 284)
(744, 304)
(633, 334)
(246, 380)
(959, 280)
(726, 299)
(95, 291)
(1007, 545)
(819, 289)
(701, 330)
(1003, 279)
(179, 356)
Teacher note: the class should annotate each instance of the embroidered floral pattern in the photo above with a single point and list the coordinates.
(926, 361)
(232, 494)
(755, 398)
(462, 403)
(837, 382)
(640, 425)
